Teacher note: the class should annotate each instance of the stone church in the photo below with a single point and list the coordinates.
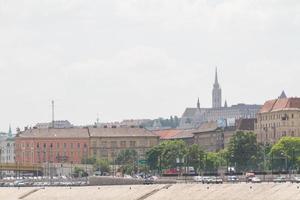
(194, 117)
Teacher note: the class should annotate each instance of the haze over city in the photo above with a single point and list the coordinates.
(141, 59)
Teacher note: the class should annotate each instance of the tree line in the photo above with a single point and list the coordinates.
(243, 154)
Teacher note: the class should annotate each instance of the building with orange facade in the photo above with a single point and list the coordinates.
(52, 145)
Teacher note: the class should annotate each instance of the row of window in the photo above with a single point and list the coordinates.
(51, 145)
(277, 124)
(114, 144)
(284, 116)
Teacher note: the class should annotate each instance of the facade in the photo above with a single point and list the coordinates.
(278, 118)
(213, 138)
(106, 143)
(193, 117)
(35, 146)
(7, 148)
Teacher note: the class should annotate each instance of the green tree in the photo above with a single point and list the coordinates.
(213, 160)
(195, 156)
(286, 154)
(102, 165)
(154, 156)
(166, 154)
(127, 156)
(243, 151)
(173, 151)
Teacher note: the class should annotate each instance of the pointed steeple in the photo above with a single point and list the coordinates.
(198, 103)
(225, 104)
(9, 132)
(283, 95)
(216, 77)
(216, 93)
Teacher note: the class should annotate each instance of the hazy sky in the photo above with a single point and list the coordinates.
(130, 59)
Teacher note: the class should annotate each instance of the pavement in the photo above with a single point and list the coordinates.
(240, 191)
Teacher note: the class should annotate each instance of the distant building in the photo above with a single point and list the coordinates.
(278, 118)
(74, 145)
(7, 147)
(194, 117)
(52, 145)
(176, 134)
(106, 143)
(55, 124)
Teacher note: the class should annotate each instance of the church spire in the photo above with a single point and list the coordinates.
(216, 77)
(9, 132)
(225, 104)
(216, 93)
(198, 103)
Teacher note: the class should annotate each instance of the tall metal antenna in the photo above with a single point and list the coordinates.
(52, 113)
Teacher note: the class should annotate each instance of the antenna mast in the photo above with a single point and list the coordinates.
(52, 113)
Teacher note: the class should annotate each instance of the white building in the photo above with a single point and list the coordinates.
(7, 148)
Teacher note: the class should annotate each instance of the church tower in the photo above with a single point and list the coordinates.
(216, 93)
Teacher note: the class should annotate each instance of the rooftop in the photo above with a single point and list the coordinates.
(281, 104)
(120, 132)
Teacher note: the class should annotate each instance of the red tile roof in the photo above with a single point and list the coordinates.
(167, 134)
(280, 104)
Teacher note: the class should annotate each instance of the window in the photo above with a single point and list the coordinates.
(113, 144)
(38, 145)
(45, 145)
(78, 145)
(132, 143)
(65, 145)
(123, 144)
(57, 145)
(71, 145)
(104, 144)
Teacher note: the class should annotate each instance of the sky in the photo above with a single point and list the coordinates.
(134, 59)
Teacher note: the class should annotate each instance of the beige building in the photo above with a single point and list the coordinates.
(106, 143)
(213, 138)
(278, 118)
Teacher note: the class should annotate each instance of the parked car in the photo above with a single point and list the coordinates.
(295, 179)
(279, 179)
(215, 180)
(249, 177)
(197, 178)
(255, 179)
(232, 179)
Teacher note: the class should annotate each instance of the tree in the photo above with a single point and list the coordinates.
(213, 160)
(173, 152)
(243, 151)
(286, 154)
(102, 165)
(167, 154)
(128, 159)
(195, 155)
(127, 156)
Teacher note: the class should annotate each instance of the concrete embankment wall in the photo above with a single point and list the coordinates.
(103, 180)
(242, 191)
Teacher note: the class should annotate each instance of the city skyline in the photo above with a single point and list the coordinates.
(128, 60)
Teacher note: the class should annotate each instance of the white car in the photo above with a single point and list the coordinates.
(255, 180)
(197, 178)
